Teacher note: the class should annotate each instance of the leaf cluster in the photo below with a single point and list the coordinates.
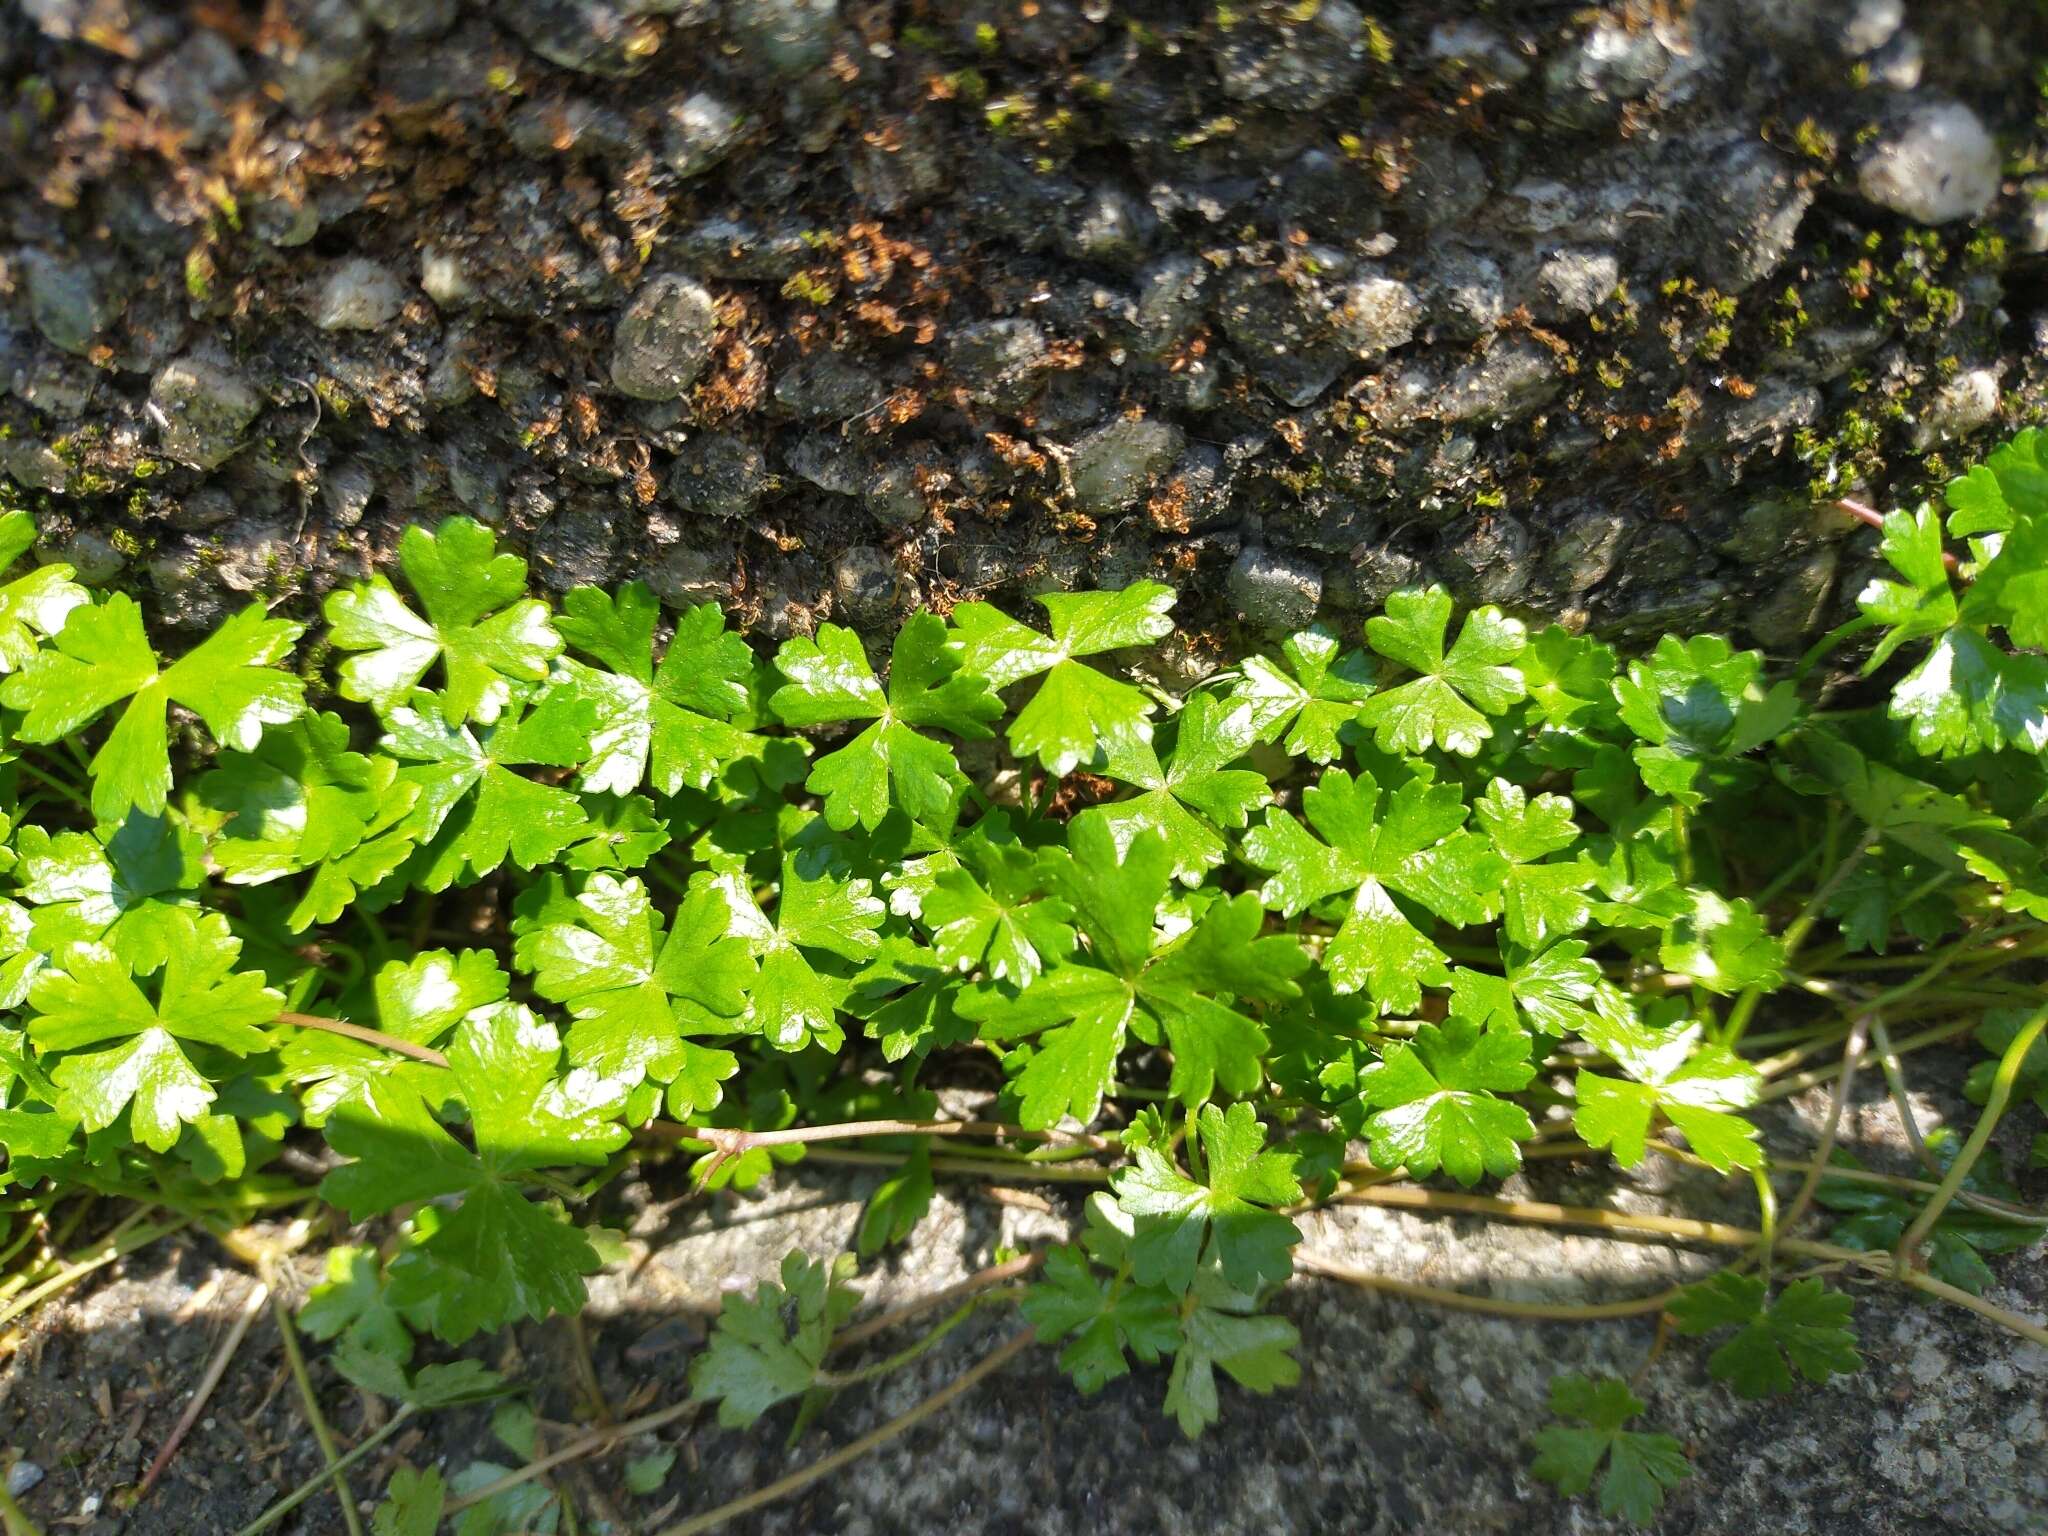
(563, 872)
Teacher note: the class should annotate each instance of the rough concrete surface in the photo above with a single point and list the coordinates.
(1407, 1417)
(1575, 308)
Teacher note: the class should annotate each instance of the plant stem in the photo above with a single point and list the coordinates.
(586, 1368)
(1895, 1081)
(731, 1143)
(1800, 926)
(69, 791)
(1008, 1173)
(1544, 1213)
(994, 1361)
(1461, 1301)
(596, 1441)
(1821, 648)
(295, 1357)
(981, 1280)
(2002, 1209)
(1805, 1080)
(1718, 1234)
(1792, 871)
(215, 1369)
(14, 1519)
(319, 1480)
(367, 1035)
(116, 1246)
(1767, 1221)
(1852, 1058)
(2002, 1082)
(908, 1353)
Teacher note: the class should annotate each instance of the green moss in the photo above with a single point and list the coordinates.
(1986, 252)
(39, 95)
(1214, 128)
(1815, 142)
(199, 273)
(1847, 453)
(1006, 115)
(1301, 481)
(811, 288)
(332, 396)
(226, 207)
(1789, 319)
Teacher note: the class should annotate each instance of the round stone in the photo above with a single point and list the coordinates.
(1274, 592)
(201, 410)
(1112, 468)
(663, 342)
(1935, 166)
(358, 295)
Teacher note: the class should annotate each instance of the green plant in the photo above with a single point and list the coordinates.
(556, 888)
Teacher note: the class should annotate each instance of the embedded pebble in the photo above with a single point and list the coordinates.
(1934, 166)
(358, 295)
(1113, 467)
(1273, 592)
(663, 342)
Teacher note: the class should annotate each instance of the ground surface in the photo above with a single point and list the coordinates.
(1407, 1417)
(822, 308)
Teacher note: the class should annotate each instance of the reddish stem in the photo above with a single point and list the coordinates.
(1875, 518)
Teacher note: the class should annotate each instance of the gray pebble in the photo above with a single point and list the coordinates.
(683, 577)
(1273, 592)
(201, 409)
(358, 295)
(698, 132)
(593, 37)
(864, 584)
(1962, 405)
(893, 494)
(1377, 315)
(92, 555)
(65, 300)
(1583, 552)
(999, 363)
(445, 280)
(1935, 165)
(1574, 283)
(719, 475)
(193, 84)
(412, 18)
(663, 341)
(828, 387)
(1116, 465)
(320, 54)
(1484, 558)
(790, 38)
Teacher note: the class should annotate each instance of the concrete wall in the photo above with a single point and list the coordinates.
(823, 308)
